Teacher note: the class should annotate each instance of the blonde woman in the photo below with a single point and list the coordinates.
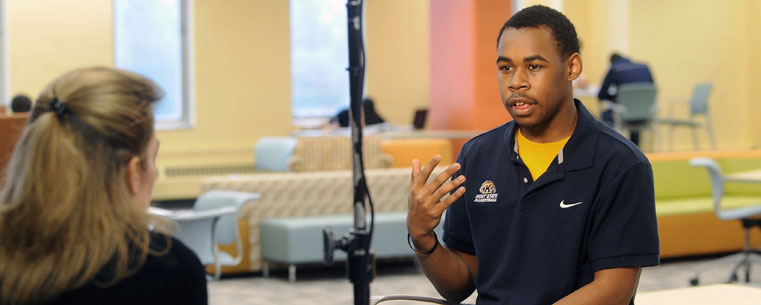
(73, 206)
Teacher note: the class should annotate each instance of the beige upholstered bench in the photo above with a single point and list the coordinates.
(307, 194)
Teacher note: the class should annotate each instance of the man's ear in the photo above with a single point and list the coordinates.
(574, 66)
(133, 174)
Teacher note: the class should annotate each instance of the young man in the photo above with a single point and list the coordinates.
(557, 207)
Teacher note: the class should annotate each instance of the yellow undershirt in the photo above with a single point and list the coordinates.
(537, 156)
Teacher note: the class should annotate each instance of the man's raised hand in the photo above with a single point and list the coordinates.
(425, 206)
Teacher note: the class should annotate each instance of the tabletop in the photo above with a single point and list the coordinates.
(728, 294)
(752, 176)
(187, 214)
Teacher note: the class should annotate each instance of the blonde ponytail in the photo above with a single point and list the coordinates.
(65, 209)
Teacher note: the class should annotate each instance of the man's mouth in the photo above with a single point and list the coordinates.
(521, 105)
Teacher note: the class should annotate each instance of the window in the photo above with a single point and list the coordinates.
(151, 38)
(3, 58)
(319, 58)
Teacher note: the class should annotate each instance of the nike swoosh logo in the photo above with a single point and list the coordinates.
(565, 206)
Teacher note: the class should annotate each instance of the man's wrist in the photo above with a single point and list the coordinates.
(423, 248)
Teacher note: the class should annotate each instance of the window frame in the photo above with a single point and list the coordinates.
(4, 62)
(315, 120)
(187, 118)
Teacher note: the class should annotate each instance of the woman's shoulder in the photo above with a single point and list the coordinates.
(185, 276)
(171, 274)
(168, 249)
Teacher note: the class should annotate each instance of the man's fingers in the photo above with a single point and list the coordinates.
(442, 177)
(415, 171)
(444, 204)
(446, 188)
(426, 171)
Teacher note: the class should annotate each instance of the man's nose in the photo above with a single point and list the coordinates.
(518, 80)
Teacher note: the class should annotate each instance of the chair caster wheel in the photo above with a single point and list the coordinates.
(694, 281)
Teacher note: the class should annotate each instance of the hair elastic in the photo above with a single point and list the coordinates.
(59, 107)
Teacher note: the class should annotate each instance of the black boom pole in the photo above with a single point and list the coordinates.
(357, 242)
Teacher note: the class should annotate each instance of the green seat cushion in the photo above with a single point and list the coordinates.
(677, 179)
(695, 205)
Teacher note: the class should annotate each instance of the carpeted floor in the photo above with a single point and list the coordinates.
(327, 285)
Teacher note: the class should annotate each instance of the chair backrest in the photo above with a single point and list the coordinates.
(638, 99)
(699, 100)
(401, 297)
(274, 153)
(717, 180)
(196, 234)
(227, 226)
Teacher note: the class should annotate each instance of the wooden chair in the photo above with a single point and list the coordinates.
(11, 127)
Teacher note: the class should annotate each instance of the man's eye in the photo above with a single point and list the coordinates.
(533, 67)
(505, 68)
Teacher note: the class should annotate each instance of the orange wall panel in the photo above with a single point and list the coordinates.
(463, 83)
(489, 110)
(451, 55)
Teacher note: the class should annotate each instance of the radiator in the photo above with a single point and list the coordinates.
(178, 182)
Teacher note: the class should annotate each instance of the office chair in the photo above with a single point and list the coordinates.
(698, 104)
(635, 105)
(275, 154)
(198, 230)
(399, 297)
(379, 299)
(744, 214)
(225, 229)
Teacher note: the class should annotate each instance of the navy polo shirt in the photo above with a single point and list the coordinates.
(538, 241)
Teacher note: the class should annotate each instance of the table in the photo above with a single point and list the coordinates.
(725, 294)
(431, 134)
(185, 215)
(751, 176)
(197, 230)
(392, 132)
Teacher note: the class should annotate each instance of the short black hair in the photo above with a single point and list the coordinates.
(615, 57)
(21, 103)
(539, 15)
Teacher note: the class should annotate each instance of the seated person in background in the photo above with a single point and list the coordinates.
(74, 225)
(622, 71)
(371, 117)
(21, 103)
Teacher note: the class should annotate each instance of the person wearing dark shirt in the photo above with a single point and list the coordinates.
(553, 207)
(174, 277)
(622, 71)
(371, 116)
(74, 222)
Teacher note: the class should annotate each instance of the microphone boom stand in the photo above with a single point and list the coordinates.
(357, 242)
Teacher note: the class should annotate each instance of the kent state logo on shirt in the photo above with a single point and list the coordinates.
(488, 192)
